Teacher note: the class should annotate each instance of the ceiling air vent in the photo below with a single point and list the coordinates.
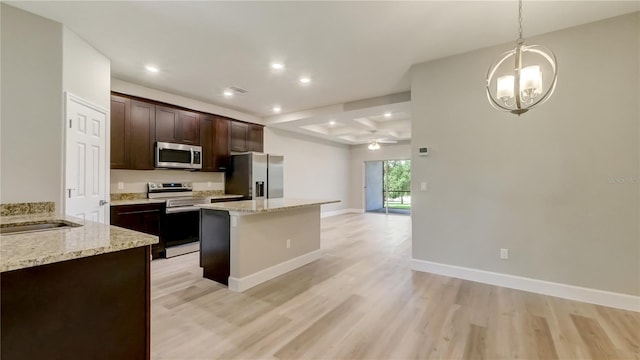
(239, 90)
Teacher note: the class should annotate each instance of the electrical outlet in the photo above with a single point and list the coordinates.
(423, 186)
(120, 185)
(288, 243)
(504, 254)
(209, 184)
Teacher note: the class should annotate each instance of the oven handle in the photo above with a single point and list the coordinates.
(181, 209)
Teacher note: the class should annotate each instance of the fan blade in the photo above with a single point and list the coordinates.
(382, 141)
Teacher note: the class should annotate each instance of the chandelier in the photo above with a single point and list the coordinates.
(531, 80)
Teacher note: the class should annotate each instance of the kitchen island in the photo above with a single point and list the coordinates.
(245, 243)
(79, 290)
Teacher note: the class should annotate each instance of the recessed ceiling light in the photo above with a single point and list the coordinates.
(387, 114)
(151, 68)
(305, 80)
(332, 122)
(277, 66)
(227, 93)
(276, 109)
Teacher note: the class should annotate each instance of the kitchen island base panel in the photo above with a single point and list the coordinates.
(242, 250)
(260, 241)
(95, 307)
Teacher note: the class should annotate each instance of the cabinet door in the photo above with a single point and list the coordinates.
(144, 218)
(207, 141)
(167, 124)
(221, 146)
(255, 138)
(120, 108)
(142, 135)
(189, 127)
(239, 136)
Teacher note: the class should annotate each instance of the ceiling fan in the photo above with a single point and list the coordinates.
(374, 143)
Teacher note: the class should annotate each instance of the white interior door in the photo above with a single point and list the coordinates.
(86, 167)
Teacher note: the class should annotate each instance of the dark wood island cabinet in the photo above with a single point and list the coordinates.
(76, 293)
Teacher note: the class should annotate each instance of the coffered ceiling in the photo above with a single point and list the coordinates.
(350, 50)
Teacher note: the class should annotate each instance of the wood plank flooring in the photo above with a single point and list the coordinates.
(362, 301)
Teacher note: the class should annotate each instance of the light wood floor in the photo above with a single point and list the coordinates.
(361, 301)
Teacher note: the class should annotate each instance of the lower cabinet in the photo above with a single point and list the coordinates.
(144, 218)
(97, 307)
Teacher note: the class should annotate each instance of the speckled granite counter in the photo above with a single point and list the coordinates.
(158, 201)
(250, 207)
(136, 202)
(19, 251)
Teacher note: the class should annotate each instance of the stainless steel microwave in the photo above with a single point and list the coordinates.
(178, 156)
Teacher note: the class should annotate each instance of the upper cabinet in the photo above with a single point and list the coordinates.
(214, 139)
(255, 138)
(136, 124)
(177, 126)
(120, 112)
(239, 136)
(246, 137)
(142, 129)
(221, 149)
(132, 133)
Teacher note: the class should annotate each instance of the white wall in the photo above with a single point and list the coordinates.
(85, 72)
(40, 61)
(358, 154)
(313, 168)
(32, 103)
(125, 87)
(544, 185)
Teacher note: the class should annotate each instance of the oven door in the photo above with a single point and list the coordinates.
(180, 230)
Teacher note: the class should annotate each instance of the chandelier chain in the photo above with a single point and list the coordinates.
(520, 40)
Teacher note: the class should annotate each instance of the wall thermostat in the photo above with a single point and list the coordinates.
(423, 151)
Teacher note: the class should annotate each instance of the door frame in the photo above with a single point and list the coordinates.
(68, 97)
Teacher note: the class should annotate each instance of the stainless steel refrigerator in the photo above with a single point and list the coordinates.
(255, 176)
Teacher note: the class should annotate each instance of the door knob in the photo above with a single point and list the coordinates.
(103, 202)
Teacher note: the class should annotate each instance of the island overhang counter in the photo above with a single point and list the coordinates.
(245, 243)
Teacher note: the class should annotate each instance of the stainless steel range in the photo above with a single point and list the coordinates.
(180, 225)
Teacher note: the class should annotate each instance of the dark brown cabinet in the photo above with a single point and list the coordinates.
(132, 133)
(255, 138)
(239, 136)
(141, 135)
(214, 139)
(177, 126)
(246, 137)
(189, 130)
(141, 217)
(221, 153)
(120, 112)
(96, 307)
(136, 124)
(207, 141)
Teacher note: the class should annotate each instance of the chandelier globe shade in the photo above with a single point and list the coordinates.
(522, 78)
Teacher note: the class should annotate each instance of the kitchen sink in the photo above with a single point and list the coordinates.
(10, 229)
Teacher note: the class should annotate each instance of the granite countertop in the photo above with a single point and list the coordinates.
(249, 207)
(136, 202)
(160, 201)
(19, 251)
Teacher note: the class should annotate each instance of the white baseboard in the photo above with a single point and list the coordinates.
(247, 282)
(571, 292)
(340, 212)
